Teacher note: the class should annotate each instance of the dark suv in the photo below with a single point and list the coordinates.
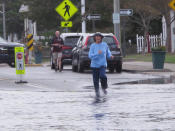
(70, 41)
(80, 60)
(7, 54)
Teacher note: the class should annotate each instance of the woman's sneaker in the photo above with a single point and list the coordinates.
(105, 91)
(97, 93)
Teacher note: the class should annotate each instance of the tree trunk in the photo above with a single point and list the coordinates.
(145, 41)
(168, 38)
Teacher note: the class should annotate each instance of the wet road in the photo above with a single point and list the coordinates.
(66, 102)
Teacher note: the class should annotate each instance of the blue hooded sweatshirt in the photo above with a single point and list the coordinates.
(99, 60)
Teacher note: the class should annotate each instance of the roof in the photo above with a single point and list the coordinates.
(70, 34)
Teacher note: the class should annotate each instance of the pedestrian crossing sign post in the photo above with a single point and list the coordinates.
(66, 9)
(172, 4)
(19, 63)
(66, 23)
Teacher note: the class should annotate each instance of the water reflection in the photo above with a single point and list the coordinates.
(100, 113)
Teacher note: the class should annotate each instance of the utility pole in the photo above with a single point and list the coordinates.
(116, 19)
(83, 15)
(4, 24)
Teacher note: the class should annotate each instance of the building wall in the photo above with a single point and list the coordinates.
(164, 31)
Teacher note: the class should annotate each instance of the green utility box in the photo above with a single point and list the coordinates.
(158, 59)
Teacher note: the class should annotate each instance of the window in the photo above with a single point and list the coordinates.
(71, 40)
(108, 39)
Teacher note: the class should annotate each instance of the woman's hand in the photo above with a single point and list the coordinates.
(112, 57)
(99, 52)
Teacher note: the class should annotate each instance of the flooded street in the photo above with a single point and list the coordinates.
(126, 107)
(49, 103)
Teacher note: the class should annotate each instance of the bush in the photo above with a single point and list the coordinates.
(159, 48)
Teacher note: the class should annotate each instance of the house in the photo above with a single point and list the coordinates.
(164, 30)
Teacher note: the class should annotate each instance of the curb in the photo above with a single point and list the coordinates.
(140, 71)
(33, 65)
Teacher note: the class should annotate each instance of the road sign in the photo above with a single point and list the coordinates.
(172, 4)
(19, 60)
(126, 12)
(66, 9)
(19, 56)
(116, 18)
(94, 17)
(66, 23)
(30, 42)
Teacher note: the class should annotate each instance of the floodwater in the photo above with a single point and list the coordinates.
(126, 108)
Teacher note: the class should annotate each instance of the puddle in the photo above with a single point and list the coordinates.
(169, 80)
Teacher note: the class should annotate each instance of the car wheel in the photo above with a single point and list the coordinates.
(12, 64)
(80, 67)
(111, 69)
(51, 63)
(74, 66)
(119, 67)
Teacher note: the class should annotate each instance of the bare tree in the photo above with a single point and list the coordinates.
(144, 14)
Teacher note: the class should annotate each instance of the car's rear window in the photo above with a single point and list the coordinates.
(108, 39)
(71, 40)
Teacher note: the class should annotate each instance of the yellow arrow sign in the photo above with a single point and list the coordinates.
(66, 23)
(172, 4)
(66, 9)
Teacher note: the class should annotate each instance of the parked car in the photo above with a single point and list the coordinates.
(70, 40)
(7, 54)
(80, 60)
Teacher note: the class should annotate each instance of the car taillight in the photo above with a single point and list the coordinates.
(117, 43)
(86, 42)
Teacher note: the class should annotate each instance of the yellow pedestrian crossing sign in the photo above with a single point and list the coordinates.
(172, 4)
(66, 9)
(66, 23)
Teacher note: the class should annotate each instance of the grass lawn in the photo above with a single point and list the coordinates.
(170, 58)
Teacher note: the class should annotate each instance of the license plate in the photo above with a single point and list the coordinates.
(115, 52)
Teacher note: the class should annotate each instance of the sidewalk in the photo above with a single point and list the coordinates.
(138, 66)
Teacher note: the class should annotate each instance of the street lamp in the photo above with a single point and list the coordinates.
(4, 24)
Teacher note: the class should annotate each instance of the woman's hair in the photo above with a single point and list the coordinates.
(97, 34)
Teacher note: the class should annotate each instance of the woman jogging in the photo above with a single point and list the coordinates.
(98, 53)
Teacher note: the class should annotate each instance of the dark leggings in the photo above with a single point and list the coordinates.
(99, 74)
